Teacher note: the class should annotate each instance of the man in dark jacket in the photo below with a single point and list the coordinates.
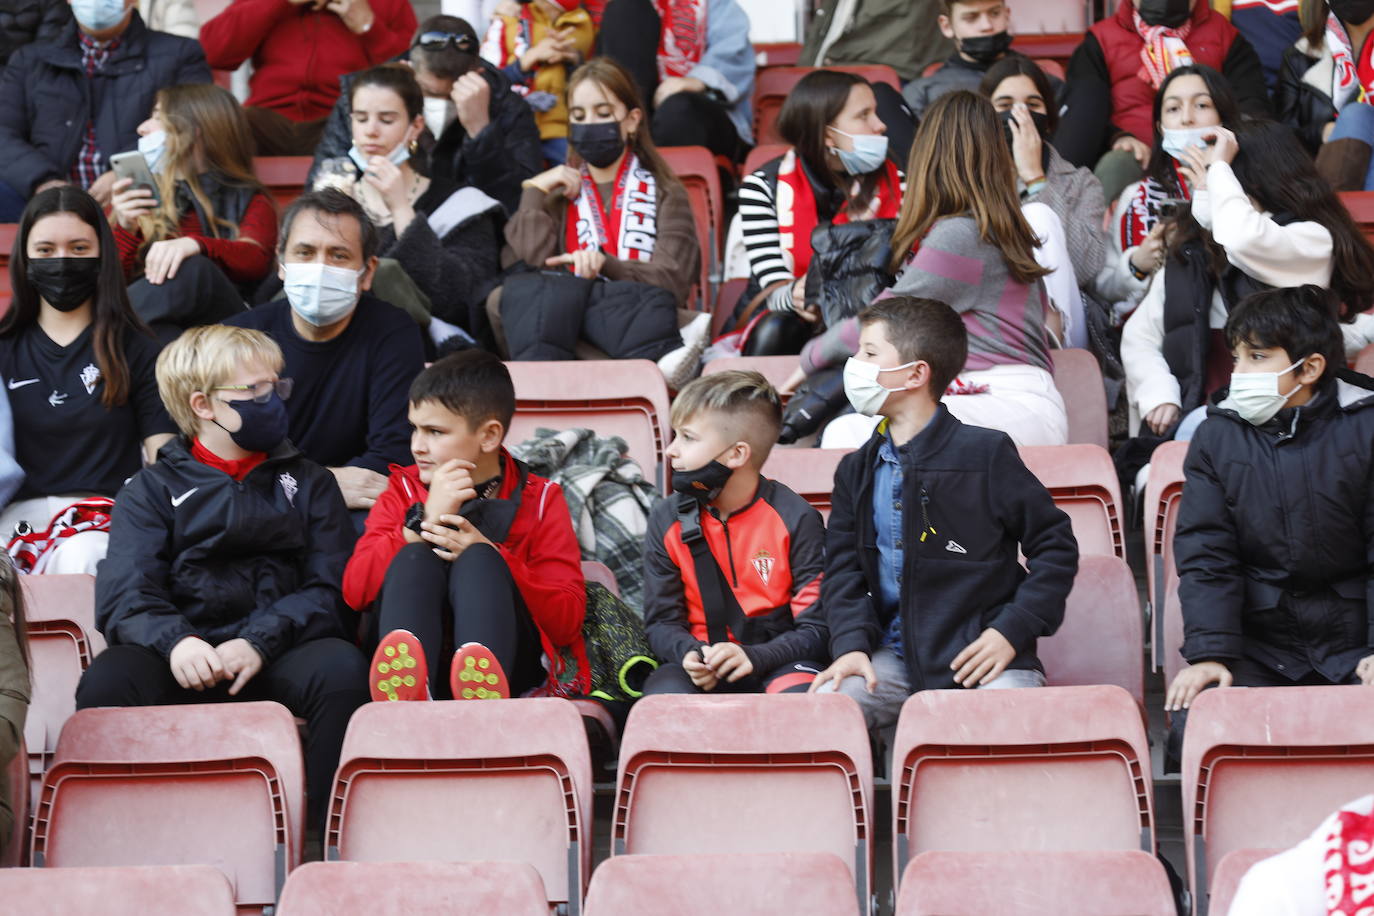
(478, 131)
(226, 556)
(922, 587)
(68, 105)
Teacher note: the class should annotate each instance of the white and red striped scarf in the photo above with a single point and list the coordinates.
(631, 220)
(1349, 860)
(1142, 213)
(1350, 79)
(1164, 49)
(32, 552)
(683, 36)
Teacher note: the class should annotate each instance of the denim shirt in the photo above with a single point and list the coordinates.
(888, 479)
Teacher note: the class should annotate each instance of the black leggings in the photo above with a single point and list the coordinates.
(422, 592)
(323, 681)
(794, 677)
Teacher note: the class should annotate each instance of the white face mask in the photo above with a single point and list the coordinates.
(152, 146)
(320, 294)
(1255, 395)
(862, 388)
(439, 114)
(98, 15)
(1174, 140)
(869, 153)
(397, 156)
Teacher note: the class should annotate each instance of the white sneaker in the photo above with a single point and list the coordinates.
(682, 365)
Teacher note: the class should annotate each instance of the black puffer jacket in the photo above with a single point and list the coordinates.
(195, 553)
(545, 313)
(23, 22)
(1304, 106)
(46, 99)
(1275, 535)
(496, 161)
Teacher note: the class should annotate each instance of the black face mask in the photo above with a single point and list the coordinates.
(263, 426)
(1041, 122)
(64, 283)
(598, 144)
(1354, 12)
(703, 484)
(1168, 13)
(986, 49)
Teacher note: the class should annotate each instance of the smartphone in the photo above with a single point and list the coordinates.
(133, 165)
(1170, 207)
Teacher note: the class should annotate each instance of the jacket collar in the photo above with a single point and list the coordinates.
(177, 454)
(1347, 392)
(1125, 14)
(925, 445)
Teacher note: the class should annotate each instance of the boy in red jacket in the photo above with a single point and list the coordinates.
(467, 540)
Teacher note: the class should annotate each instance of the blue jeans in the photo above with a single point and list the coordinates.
(1357, 123)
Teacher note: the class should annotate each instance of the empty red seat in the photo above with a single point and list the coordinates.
(468, 781)
(283, 176)
(162, 890)
(792, 773)
(1227, 877)
(1100, 640)
(772, 85)
(696, 168)
(809, 472)
(1262, 767)
(614, 397)
(201, 784)
(760, 884)
(1036, 883)
(1050, 768)
(1079, 380)
(1083, 482)
(1163, 498)
(493, 888)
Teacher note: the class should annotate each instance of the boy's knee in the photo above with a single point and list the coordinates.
(479, 559)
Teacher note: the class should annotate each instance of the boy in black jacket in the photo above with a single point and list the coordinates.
(222, 578)
(922, 587)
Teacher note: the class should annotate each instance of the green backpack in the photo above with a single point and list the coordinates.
(618, 652)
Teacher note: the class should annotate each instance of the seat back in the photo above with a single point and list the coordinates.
(1053, 768)
(594, 571)
(794, 771)
(696, 168)
(1361, 207)
(1083, 482)
(1120, 882)
(761, 155)
(615, 397)
(155, 890)
(1170, 626)
(1055, 45)
(772, 85)
(776, 369)
(516, 773)
(216, 784)
(1079, 380)
(1245, 751)
(1230, 870)
(8, 233)
(1100, 640)
(17, 778)
(332, 888)
(760, 884)
(64, 598)
(1163, 497)
(283, 176)
(809, 472)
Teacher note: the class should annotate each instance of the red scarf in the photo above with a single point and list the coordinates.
(683, 36)
(1142, 213)
(631, 220)
(1350, 861)
(1164, 49)
(235, 469)
(796, 205)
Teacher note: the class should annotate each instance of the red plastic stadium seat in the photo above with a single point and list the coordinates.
(696, 168)
(793, 771)
(761, 155)
(1057, 46)
(1050, 768)
(772, 85)
(774, 368)
(1230, 870)
(1361, 207)
(202, 784)
(1262, 767)
(1026, 883)
(594, 571)
(161, 890)
(760, 884)
(1079, 380)
(1163, 498)
(777, 54)
(283, 176)
(614, 397)
(1170, 627)
(1083, 482)
(1365, 361)
(17, 777)
(8, 233)
(1100, 640)
(727, 297)
(809, 472)
(467, 781)
(335, 888)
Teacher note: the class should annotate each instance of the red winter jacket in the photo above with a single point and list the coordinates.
(299, 53)
(541, 551)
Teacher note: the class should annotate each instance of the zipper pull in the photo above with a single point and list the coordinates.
(925, 516)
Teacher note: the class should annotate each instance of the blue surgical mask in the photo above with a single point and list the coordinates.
(1174, 140)
(152, 146)
(397, 156)
(98, 15)
(320, 294)
(868, 155)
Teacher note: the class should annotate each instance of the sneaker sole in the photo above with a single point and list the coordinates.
(477, 675)
(399, 671)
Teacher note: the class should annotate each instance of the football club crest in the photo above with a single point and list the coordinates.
(90, 377)
(763, 565)
(288, 487)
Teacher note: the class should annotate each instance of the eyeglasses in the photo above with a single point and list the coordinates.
(438, 41)
(262, 391)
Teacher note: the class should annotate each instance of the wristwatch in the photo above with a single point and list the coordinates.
(414, 516)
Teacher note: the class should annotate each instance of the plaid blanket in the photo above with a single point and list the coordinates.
(607, 495)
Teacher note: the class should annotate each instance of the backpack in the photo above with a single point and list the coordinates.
(618, 653)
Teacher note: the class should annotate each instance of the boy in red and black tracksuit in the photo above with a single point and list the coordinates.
(732, 563)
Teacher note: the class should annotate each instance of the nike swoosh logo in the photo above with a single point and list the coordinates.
(178, 500)
(21, 384)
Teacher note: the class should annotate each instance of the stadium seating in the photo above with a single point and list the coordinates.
(471, 781)
(774, 368)
(158, 890)
(1100, 641)
(283, 176)
(1055, 768)
(8, 233)
(1036, 883)
(1170, 633)
(1083, 482)
(1079, 380)
(790, 773)
(616, 397)
(1361, 207)
(772, 85)
(1163, 497)
(696, 168)
(17, 778)
(1230, 870)
(337, 888)
(1263, 767)
(759, 884)
(810, 472)
(202, 784)
(760, 155)
(593, 571)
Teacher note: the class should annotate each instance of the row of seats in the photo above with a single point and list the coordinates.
(1061, 769)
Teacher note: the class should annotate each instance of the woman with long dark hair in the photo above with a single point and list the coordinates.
(15, 691)
(1245, 232)
(836, 171)
(78, 367)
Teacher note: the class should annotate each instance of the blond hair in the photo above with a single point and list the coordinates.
(740, 400)
(202, 358)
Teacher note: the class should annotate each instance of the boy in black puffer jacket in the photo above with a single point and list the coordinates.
(223, 575)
